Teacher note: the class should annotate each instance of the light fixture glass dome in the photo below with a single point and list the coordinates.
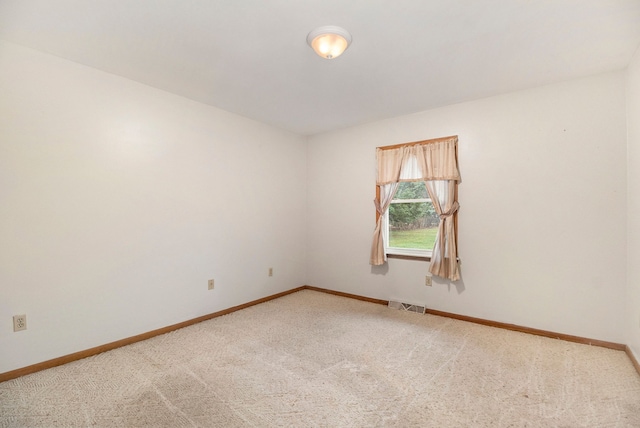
(329, 41)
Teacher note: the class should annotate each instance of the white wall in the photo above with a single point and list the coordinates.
(543, 209)
(633, 183)
(119, 201)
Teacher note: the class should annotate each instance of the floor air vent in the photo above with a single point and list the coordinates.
(407, 307)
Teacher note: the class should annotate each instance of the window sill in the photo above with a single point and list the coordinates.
(406, 257)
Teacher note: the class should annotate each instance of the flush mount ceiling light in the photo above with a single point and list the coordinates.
(329, 41)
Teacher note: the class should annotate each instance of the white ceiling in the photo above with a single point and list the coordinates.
(250, 57)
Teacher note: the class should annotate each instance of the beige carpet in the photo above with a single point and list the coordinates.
(313, 359)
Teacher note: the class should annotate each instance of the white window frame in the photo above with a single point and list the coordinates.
(410, 252)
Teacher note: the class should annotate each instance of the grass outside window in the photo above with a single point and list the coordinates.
(416, 238)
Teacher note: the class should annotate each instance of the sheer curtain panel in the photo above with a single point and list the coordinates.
(444, 258)
(389, 168)
(387, 191)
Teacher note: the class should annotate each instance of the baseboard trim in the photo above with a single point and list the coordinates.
(148, 335)
(534, 331)
(133, 339)
(341, 294)
(632, 357)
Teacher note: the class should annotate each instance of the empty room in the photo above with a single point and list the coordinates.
(320, 213)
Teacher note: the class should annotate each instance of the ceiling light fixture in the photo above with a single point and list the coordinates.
(329, 41)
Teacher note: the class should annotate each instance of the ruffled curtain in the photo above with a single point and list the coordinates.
(436, 163)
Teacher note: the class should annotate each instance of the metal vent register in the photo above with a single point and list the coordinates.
(407, 307)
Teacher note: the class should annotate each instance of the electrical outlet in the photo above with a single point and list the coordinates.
(210, 283)
(427, 280)
(19, 322)
(270, 271)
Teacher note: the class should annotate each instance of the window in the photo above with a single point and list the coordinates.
(411, 222)
(417, 189)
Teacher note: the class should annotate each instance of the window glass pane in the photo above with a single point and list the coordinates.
(412, 225)
(411, 190)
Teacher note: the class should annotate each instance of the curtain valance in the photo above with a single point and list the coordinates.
(429, 160)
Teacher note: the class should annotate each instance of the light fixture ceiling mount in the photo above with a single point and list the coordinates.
(329, 41)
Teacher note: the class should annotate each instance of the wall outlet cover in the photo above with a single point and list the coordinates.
(19, 322)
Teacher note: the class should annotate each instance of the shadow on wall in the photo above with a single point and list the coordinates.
(382, 269)
(459, 284)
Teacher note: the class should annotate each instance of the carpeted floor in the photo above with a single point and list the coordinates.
(313, 359)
